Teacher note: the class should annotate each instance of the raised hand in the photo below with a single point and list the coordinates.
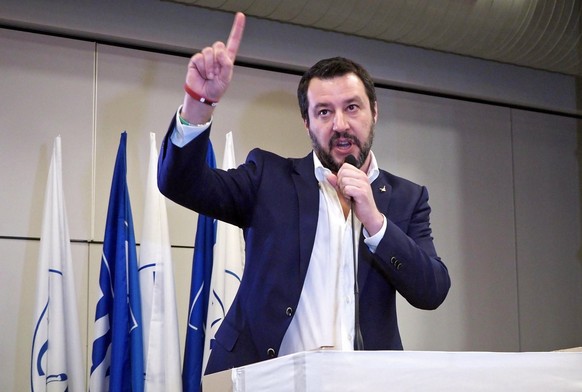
(210, 72)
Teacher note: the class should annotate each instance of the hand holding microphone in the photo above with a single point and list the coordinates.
(354, 185)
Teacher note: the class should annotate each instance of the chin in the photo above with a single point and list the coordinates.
(339, 160)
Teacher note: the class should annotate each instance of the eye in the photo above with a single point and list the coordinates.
(352, 107)
(323, 112)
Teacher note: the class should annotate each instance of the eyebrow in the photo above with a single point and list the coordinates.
(321, 105)
(355, 99)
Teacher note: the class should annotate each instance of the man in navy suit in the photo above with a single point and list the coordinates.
(299, 217)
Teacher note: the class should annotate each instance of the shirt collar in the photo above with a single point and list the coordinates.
(322, 172)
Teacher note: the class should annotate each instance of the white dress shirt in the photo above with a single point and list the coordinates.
(325, 314)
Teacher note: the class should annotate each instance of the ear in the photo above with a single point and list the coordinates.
(306, 125)
(376, 111)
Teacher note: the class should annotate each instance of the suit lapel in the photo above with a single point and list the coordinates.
(307, 190)
(382, 191)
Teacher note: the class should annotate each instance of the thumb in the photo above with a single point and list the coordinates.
(332, 179)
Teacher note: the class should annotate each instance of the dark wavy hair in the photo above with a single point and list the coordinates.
(329, 69)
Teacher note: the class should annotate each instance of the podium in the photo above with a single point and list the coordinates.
(371, 371)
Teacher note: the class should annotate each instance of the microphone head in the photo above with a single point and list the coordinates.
(351, 160)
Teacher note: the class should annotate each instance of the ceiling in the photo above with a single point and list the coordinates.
(540, 34)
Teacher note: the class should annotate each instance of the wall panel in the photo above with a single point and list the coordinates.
(46, 89)
(462, 152)
(548, 236)
(137, 92)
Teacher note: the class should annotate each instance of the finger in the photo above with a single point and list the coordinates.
(221, 60)
(347, 170)
(197, 63)
(209, 62)
(332, 179)
(235, 37)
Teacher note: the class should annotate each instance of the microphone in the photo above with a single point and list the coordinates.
(358, 340)
(351, 160)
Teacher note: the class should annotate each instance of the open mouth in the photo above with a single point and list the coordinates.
(343, 144)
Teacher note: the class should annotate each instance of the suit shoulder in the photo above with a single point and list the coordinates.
(401, 184)
(259, 156)
(263, 155)
(397, 180)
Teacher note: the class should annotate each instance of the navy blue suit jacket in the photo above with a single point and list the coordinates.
(276, 200)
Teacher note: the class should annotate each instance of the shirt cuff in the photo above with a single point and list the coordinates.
(184, 134)
(373, 241)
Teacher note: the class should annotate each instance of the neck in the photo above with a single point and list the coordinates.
(345, 203)
(366, 165)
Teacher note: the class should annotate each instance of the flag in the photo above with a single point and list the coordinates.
(158, 296)
(199, 289)
(117, 358)
(56, 359)
(227, 269)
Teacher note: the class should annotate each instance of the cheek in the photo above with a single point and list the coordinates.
(365, 129)
(318, 132)
(323, 131)
(324, 139)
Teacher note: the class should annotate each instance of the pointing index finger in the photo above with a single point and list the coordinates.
(235, 36)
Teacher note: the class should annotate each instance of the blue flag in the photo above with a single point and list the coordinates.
(199, 291)
(117, 358)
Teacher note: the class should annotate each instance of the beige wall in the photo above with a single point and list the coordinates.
(503, 183)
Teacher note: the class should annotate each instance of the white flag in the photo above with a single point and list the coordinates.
(158, 297)
(56, 359)
(227, 269)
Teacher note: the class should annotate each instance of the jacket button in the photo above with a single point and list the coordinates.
(393, 260)
(289, 311)
(271, 353)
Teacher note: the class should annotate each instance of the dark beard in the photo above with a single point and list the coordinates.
(327, 160)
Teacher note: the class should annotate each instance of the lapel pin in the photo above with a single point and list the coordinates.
(383, 188)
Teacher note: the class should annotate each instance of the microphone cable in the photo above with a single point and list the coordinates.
(358, 340)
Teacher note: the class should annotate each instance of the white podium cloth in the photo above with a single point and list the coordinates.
(370, 371)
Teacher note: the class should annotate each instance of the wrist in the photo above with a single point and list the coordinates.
(197, 97)
(195, 112)
(375, 225)
(185, 122)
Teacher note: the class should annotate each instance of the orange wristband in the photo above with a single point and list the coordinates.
(197, 97)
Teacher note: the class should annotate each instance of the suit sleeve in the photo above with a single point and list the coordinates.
(185, 178)
(408, 256)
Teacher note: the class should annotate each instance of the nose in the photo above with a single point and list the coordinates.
(339, 122)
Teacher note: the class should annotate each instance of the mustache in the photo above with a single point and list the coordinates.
(344, 135)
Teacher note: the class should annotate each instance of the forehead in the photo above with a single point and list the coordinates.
(343, 87)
